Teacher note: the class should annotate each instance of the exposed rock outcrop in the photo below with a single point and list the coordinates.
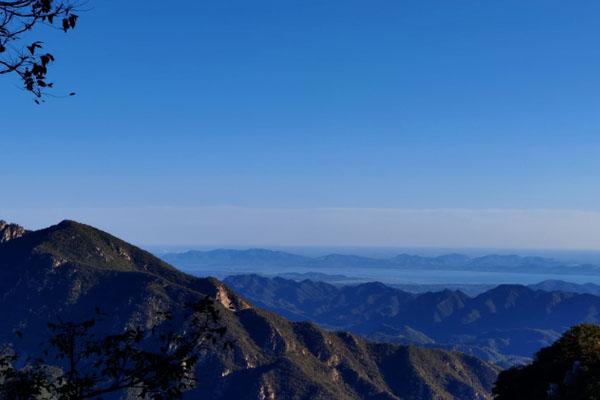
(10, 231)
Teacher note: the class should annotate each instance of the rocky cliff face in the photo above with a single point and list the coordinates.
(10, 231)
(68, 270)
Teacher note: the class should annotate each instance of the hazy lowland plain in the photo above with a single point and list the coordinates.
(426, 268)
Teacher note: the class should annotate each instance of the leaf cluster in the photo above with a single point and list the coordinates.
(28, 60)
(567, 370)
(77, 363)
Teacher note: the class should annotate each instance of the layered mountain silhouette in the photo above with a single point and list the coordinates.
(506, 324)
(554, 285)
(262, 258)
(69, 270)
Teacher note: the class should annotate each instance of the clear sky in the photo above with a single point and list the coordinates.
(315, 115)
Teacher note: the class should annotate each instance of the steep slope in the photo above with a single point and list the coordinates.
(68, 270)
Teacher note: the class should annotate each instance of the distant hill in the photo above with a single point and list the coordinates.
(253, 259)
(562, 286)
(67, 270)
(506, 324)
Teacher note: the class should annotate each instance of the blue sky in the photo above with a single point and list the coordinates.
(471, 106)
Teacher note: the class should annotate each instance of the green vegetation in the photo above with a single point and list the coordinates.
(567, 370)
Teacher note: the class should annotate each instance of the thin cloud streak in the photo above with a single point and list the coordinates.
(240, 226)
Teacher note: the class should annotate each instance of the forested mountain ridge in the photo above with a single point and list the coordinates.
(506, 324)
(68, 270)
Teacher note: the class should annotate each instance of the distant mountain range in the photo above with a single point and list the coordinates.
(262, 258)
(506, 324)
(68, 270)
(472, 290)
(562, 286)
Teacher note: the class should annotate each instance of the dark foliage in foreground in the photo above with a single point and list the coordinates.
(78, 364)
(28, 60)
(567, 370)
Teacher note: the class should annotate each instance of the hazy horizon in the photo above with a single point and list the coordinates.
(365, 230)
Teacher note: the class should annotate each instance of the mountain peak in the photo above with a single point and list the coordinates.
(82, 256)
(510, 288)
(70, 243)
(69, 223)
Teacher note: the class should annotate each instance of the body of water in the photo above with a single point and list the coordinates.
(412, 276)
